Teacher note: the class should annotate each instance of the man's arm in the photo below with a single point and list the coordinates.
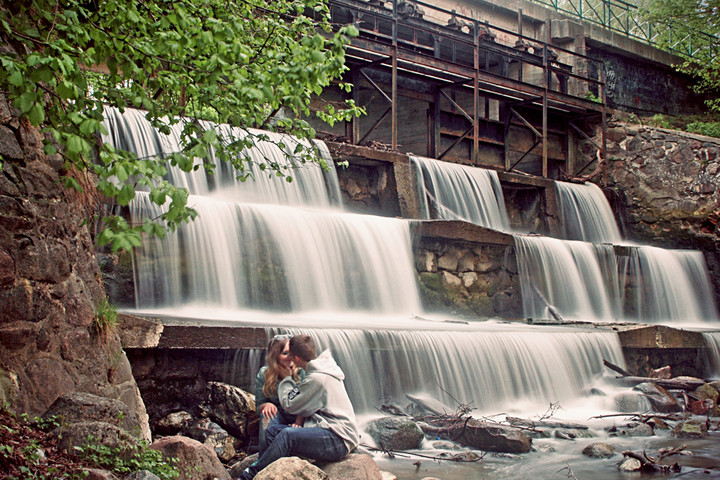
(304, 398)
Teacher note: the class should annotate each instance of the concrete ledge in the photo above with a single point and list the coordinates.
(459, 230)
(659, 336)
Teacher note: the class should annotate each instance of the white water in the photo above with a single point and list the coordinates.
(460, 192)
(490, 366)
(569, 276)
(712, 340)
(586, 214)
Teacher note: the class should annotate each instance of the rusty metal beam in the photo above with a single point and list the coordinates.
(526, 123)
(375, 125)
(457, 140)
(537, 142)
(454, 103)
(375, 85)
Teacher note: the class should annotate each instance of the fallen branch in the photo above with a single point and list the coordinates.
(649, 465)
(617, 369)
(468, 457)
(687, 384)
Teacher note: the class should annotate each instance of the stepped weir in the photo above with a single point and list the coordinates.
(476, 308)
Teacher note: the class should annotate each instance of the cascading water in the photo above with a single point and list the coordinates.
(586, 214)
(462, 364)
(712, 340)
(459, 192)
(289, 250)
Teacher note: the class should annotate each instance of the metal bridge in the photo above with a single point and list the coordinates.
(493, 97)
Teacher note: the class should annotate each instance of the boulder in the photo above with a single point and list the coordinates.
(395, 433)
(212, 435)
(353, 467)
(79, 434)
(630, 465)
(710, 391)
(232, 408)
(77, 407)
(631, 402)
(238, 467)
(494, 438)
(194, 460)
(291, 468)
(634, 430)
(690, 429)
(599, 450)
(173, 423)
(659, 398)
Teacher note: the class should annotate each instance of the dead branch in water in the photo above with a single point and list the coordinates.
(467, 457)
(650, 465)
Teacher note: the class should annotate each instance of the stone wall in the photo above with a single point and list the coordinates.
(49, 284)
(665, 188)
(469, 278)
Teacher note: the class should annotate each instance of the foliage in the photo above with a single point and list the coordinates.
(129, 458)
(711, 129)
(592, 97)
(697, 24)
(231, 62)
(105, 319)
(27, 451)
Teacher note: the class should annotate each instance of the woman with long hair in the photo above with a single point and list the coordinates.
(267, 403)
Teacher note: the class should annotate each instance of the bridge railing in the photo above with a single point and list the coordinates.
(624, 17)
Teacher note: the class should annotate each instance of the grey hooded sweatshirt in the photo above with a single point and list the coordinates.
(321, 398)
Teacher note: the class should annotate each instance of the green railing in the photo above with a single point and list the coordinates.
(624, 17)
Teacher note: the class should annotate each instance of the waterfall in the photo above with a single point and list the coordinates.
(578, 279)
(265, 244)
(712, 340)
(486, 367)
(276, 257)
(670, 286)
(459, 192)
(586, 214)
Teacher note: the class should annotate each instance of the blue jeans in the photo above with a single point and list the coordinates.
(281, 417)
(285, 441)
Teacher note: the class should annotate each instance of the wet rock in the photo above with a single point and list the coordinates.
(195, 460)
(544, 448)
(393, 433)
(634, 430)
(659, 398)
(353, 467)
(690, 429)
(443, 445)
(631, 402)
(599, 450)
(494, 438)
(630, 465)
(658, 424)
(571, 433)
(212, 435)
(388, 476)
(291, 468)
(710, 391)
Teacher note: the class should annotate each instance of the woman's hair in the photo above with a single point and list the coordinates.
(275, 348)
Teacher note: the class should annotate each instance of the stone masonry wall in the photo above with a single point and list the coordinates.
(49, 285)
(469, 279)
(665, 188)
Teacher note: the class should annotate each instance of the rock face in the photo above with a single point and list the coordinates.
(49, 283)
(665, 188)
(494, 438)
(396, 433)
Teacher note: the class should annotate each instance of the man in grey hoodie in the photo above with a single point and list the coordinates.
(330, 431)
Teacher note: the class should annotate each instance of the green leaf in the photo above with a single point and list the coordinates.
(127, 193)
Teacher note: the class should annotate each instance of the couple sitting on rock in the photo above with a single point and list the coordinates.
(304, 397)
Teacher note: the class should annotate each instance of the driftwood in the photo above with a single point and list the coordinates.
(617, 369)
(552, 310)
(687, 384)
(515, 422)
(651, 465)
